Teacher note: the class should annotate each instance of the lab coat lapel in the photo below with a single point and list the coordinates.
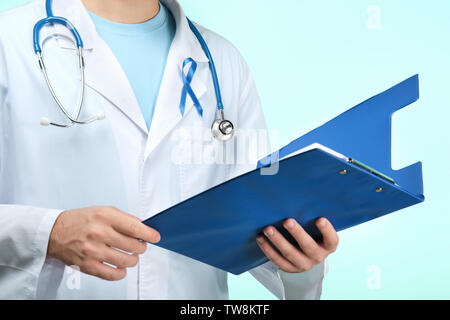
(167, 110)
(103, 72)
(105, 75)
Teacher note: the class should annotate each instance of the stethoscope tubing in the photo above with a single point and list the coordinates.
(221, 129)
(50, 19)
(211, 64)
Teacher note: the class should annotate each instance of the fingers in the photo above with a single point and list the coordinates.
(304, 240)
(103, 271)
(116, 258)
(125, 243)
(274, 256)
(291, 253)
(102, 241)
(103, 253)
(131, 226)
(330, 236)
(291, 259)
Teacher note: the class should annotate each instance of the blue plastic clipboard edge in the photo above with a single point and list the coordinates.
(364, 133)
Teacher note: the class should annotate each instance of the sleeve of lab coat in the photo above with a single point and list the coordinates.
(24, 230)
(306, 285)
(24, 235)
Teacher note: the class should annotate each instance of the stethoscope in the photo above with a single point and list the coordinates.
(221, 128)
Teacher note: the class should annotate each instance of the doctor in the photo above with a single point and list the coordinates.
(71, 199)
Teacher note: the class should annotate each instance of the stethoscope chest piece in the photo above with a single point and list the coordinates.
(222, 130)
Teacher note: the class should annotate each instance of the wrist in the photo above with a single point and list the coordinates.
(54, 238)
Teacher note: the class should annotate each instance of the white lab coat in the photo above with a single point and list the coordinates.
(114, 162)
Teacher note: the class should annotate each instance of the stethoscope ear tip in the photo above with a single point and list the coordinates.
(44, 121)
(101, 116)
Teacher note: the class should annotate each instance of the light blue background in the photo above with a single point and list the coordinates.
(313, 60)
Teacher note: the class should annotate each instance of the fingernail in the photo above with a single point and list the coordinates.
(289, 224)
(260, 239)
(269, 232)
(322, 222)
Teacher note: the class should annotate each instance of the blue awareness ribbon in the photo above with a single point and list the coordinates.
(187, 89)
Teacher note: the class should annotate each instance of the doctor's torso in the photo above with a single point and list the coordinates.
(115, 162)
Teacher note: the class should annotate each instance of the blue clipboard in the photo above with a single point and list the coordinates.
(307, 186)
